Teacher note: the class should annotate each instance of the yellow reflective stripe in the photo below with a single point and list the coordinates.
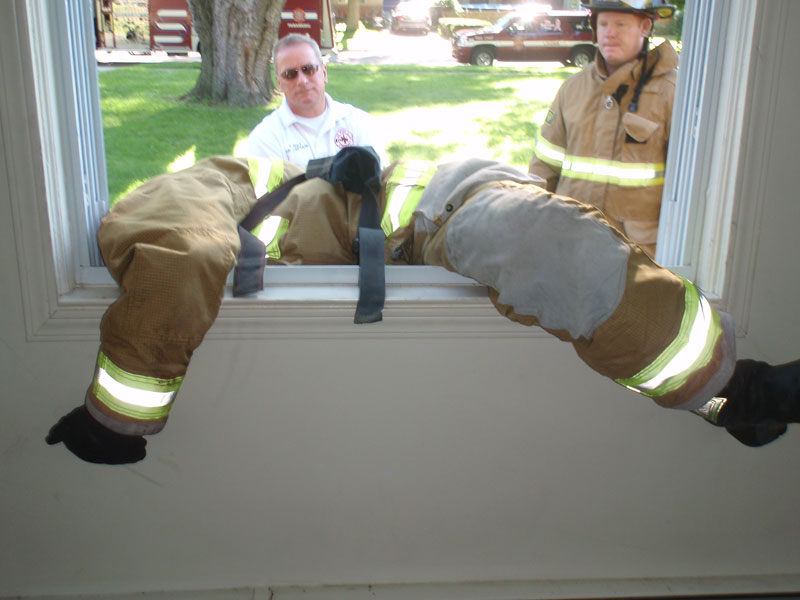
(403, 191)
(269, 231)
(549, 153)
(612, 171)
(276, 227)
(265, 174)
(691, 349)
(598, 169)
(136, 396)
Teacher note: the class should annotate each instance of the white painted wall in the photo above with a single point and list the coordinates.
(402, 459)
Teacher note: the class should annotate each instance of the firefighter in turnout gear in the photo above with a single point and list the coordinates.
(604, 139)
(547, 261)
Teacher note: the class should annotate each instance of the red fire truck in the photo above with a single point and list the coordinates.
(169, 24)
(311, 17)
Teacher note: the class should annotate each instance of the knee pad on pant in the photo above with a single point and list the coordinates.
(548, 257)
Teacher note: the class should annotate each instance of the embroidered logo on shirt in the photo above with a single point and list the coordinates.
(343, 138)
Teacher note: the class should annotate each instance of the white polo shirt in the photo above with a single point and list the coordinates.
(282, 134)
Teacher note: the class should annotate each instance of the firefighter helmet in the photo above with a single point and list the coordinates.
(652, 9)
(657, 9)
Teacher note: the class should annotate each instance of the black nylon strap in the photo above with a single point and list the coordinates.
(248, 275)
(358, 170)
(371, 276)
(269, 201)
(371, 264)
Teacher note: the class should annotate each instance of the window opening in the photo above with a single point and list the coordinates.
(679, 234)
(89, 128)
(69, 111)
(683, 145)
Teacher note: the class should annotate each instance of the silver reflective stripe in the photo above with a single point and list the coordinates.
(265, 174)
(610, 171)
(598, 169)
(270, 231)
(267, 229)
(710, 410)
(133, 395)
(549, 153)
(691, 349)
(688, 355)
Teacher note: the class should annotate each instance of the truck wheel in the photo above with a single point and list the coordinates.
(582, 56)
(483, 57)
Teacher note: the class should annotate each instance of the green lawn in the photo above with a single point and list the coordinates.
(424, 113)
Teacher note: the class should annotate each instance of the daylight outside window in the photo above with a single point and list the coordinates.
(78, 124)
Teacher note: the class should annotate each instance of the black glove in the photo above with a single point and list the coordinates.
(90, 441)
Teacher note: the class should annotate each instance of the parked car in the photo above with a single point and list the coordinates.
(413, 16)
(552, 35)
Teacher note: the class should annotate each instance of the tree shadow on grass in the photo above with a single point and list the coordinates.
(515, 128)
(405, 150)
(147, 127)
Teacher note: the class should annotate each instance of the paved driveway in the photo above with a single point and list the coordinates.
(401, 49)
(388, 49)
(415, 49)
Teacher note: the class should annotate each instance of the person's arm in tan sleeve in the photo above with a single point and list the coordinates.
(549, 149)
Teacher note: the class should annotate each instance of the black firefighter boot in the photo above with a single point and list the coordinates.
(757, 403)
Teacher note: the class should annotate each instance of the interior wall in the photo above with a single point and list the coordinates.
(402, 459)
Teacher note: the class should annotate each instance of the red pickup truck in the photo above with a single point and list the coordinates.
(554, 35)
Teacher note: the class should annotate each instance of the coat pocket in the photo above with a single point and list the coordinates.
(638, 130)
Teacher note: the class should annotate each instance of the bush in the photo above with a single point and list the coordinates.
(447, 25)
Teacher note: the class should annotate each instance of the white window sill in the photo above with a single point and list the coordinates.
(316, 301)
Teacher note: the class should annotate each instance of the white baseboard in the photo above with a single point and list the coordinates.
(752, 587)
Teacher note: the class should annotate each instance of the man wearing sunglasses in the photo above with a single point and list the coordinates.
(309, 123)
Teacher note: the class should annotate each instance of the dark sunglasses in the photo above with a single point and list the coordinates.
(308, 70)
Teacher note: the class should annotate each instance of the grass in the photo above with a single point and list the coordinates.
(423, 113)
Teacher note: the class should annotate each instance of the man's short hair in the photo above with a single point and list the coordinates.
(293, 39)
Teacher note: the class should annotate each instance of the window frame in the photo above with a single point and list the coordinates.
(720, 233)
(64, 297)
(708, 68)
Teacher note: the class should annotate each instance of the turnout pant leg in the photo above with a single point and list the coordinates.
(555, 262)
(169, 245)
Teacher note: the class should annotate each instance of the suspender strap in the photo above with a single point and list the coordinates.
(269, 201)
(248, 275)
(371, 275)
(358, 169)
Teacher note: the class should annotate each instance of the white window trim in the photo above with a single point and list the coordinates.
(747, 185)
(722, 230)
(305, 301)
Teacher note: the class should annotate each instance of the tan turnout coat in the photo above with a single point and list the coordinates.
(593, 148)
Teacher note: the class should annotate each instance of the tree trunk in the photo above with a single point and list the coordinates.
(236, 39)
(353, 15)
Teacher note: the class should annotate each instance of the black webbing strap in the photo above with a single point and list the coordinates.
(269, 202)
(248, 275)
(358, 169)
(371, 275)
